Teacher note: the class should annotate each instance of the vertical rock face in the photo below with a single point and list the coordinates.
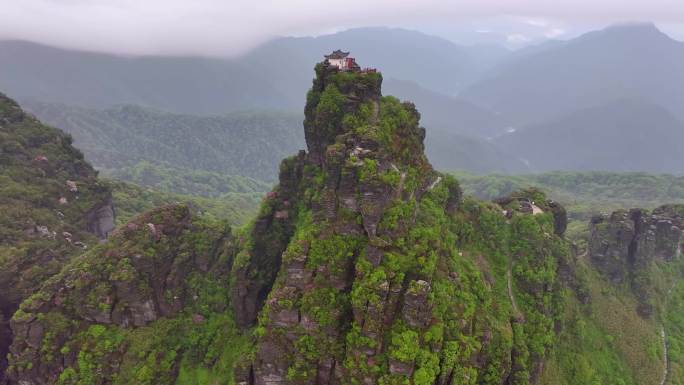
(101, 220)
(610, 244)
(669, 223)
(366, 266)
(624, 245)
(256, 266)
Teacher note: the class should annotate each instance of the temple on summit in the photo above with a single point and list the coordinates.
(342, 61)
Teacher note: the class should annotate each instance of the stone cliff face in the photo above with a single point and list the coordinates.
(52, 208)
(101, 219)
(624, 245)
(366, 265)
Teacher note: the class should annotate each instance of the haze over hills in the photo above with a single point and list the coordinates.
(417, 67)
(270, 76)
(430, 61)
(180, 84)
(246, 143)
(624, 135)
(458, 131)
(241, 143)
(449, 114)
(625, 61)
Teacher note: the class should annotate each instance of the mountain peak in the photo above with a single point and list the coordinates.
(346, 102)
(632, 30)
(634, 25)
(352, 258)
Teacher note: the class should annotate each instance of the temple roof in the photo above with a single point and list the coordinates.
(337, 54)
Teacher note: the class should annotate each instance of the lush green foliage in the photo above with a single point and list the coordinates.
(584, 194)
(248, 143)
(187, 336)
(187, 182)
(48, 195)
(131, 200)
(363, 258)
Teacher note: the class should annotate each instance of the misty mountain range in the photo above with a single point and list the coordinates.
(582, 104)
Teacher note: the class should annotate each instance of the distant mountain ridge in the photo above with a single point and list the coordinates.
(624, 61)
(124, 138)
(624, 135)
(270, 76)
(419, 67)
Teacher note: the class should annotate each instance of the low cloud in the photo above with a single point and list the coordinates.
(517, 38)
(227, 27)
(554, 33)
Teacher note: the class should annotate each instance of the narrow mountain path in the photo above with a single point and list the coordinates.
(376, 112)
(509, 275)
(402, 179)
(435, 183)
(536, 210)
(666, 361)
(663, 335)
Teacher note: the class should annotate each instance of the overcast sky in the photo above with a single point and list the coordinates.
(228, 27)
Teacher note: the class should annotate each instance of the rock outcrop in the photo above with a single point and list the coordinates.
(101, 219)
(624, 245)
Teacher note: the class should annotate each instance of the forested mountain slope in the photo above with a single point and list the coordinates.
(52, 207)
(623, 135)
(247, 144)
(633, 61)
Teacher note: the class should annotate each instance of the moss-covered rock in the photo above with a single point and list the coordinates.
(139, 308)
(367, 266)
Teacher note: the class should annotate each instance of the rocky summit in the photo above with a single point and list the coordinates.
(363, 266)
(367, 266)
